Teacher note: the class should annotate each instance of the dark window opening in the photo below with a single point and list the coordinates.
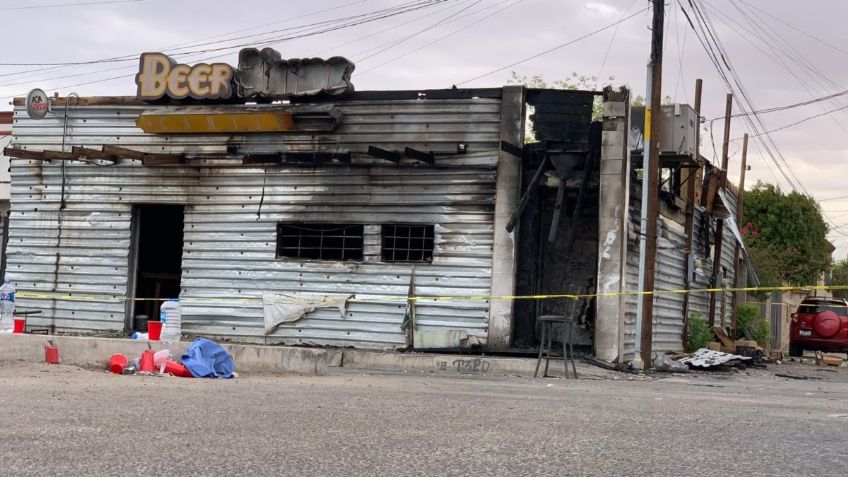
(319, 241)
(407, 243)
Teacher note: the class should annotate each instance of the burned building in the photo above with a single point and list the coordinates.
(317, 215)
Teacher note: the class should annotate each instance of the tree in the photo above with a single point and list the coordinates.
(786, 235)
(840, 278)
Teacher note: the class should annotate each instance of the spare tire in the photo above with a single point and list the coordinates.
(826, 324)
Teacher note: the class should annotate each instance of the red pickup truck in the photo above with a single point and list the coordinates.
(819, 324)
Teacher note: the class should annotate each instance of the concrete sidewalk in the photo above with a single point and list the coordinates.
(94, 352)
(91, 352)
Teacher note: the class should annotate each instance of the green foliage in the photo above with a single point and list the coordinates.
(787, 236)
(699, 334)
(840, 278)
(749, 322)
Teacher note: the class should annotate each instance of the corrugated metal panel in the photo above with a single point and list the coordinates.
(229, 251)
(670, 273)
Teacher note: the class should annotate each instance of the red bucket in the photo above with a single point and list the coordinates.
(145, 364)
(51, 354)
(154, 330)
(20, 325)
(177, 369)
(117, 363)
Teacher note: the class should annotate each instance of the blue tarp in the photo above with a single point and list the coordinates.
(207, 359)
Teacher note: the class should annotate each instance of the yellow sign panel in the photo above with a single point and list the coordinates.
(647, 134)
(208, 122)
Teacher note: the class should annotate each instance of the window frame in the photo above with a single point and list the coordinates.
(323, 228)
(426, 254)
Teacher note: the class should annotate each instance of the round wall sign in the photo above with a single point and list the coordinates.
(37, 104)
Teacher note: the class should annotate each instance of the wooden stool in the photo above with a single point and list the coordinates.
(548, 322)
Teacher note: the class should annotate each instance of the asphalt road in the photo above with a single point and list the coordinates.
(63, 420)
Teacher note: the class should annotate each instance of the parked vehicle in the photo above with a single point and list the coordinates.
(819, 324)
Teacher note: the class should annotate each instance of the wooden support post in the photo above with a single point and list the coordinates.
(719, 234)
(652, 172)
(738, 278)
(691, 184)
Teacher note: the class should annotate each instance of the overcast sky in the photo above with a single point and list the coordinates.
(787, 52)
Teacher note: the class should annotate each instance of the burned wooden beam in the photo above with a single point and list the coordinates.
(163, 160)
(528, 194)
(297, 158)
(427, 157)
(24, 154)
(552, 234)
(123, 152)
(262, 159)
(379, 153)
(62, 156)
(93, 154)
(511, 148)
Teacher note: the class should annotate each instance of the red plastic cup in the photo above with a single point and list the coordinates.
(145, 364)
(177, 369)
(20, 325)
(117, 363)
(154, 330)
(51, 354)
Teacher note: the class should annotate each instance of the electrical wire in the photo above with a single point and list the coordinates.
(419, 32)
(611, 42)
(549, 50)
(459, 30)
(57, 5)
(135, 55)
(411, 7)
(328, 26)
(823, 42)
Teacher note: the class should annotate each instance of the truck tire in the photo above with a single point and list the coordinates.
(795, 350)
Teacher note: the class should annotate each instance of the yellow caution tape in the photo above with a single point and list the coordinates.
(402, 299)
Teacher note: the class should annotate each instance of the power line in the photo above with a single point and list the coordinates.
(563, 45)
(462, 29)
(780, 45)
(193, 42)
(795, 123)
(57, 5)
(328, 26)
(423, 30)
(823, 42)
(611, 42)
(410, 7)
(718, 55)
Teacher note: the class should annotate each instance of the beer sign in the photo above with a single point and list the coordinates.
(159, 76)
(37, 104)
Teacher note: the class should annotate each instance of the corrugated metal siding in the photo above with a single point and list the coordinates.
(670, 273)
(229, 252)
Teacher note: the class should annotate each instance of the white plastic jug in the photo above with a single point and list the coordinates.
(170, 316)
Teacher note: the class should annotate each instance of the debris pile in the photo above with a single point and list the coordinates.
(710, 359)
(203, 359)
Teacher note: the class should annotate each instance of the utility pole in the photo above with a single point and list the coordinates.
(719, 234)
(650, 194)
(690, 205)
(739, 278)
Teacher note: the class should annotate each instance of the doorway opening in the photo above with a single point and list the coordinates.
(155, 260)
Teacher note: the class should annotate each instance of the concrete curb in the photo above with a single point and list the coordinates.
(452, 364)
(94, 353)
